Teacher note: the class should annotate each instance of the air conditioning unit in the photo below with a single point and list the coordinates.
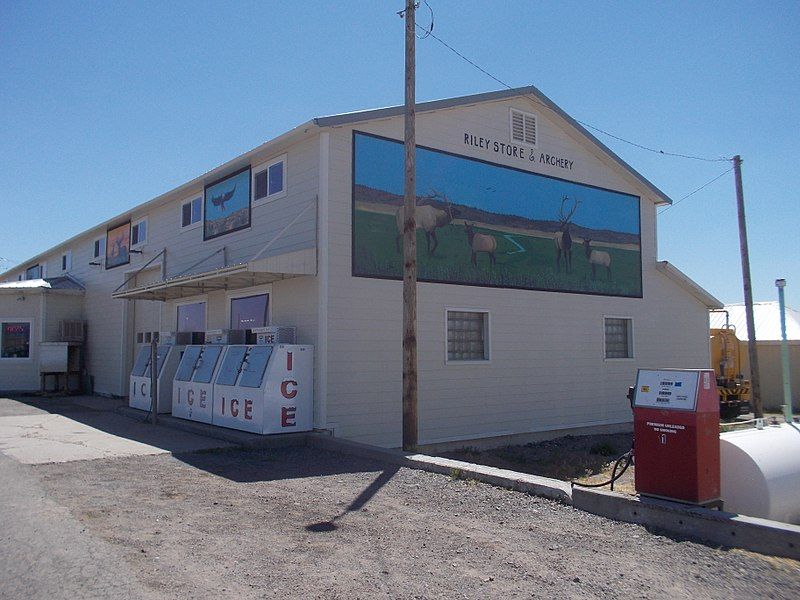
(225, 336)
(275, 334)
(70, 331)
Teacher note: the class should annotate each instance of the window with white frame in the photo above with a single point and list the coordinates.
(66, 261)
(34, 272)
(15, 339)
(467, 335)
(99, 248)
(523, 127)
(269, 180)
(192, 213)
(139, 232)
(618, 337)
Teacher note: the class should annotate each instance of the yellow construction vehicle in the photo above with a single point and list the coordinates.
(726, 359)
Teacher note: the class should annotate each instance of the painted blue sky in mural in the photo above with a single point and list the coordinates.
(493, 187)
(220, 203)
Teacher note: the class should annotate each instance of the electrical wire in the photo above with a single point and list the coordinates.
(429, 33)
(705, 185)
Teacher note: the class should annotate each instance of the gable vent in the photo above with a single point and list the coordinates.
(523, 127)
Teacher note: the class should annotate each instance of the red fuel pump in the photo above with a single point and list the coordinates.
(676, 428)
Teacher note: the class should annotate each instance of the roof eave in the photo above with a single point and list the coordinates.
(691, 286)
(393, 111)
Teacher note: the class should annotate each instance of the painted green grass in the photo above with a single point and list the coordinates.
(376, 256)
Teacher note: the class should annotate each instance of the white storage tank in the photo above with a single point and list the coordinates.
(760, 471)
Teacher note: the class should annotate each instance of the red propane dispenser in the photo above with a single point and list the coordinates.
(676, 431)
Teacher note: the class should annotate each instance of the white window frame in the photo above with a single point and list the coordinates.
(190, 226)
(40, 272)
(66, 261)
(146, 233)
(631, 338)
(260, 168)
(487, 336)
(193, 300)
(102, 247)
(30, 340)
(524, 114)
(244, 293)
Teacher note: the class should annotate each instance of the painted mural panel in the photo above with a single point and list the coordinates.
(118, 244)
(484, 224)
(227, 205)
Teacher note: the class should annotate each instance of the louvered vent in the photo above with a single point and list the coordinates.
(523, 128)
(70, 331)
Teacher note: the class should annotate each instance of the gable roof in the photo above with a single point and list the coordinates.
(688, 284)
(293, 135)
(531, 92)
(767, 317)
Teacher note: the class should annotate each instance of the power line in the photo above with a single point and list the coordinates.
(705, 185)
(429, 33)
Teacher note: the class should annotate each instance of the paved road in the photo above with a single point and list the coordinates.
(47, 553)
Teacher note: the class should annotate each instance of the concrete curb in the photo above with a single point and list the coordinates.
(696, 523)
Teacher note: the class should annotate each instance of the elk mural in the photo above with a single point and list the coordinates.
(597, 258)
(429, 219)
(562, 238)
(480, 242)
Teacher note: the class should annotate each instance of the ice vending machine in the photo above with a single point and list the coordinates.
(676, 429)
(193, 387)
(265, 389)
(167, 357)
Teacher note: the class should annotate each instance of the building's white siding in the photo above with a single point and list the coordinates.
(112, 324)
(547, 368)
(22, 374)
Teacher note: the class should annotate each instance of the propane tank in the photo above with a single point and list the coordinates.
(760, 472)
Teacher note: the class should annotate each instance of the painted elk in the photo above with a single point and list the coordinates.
(429, 219)
(480, 242)
(597, 258)
(562, 238)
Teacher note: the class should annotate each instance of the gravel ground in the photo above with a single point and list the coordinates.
(300, 523)
(586, 458)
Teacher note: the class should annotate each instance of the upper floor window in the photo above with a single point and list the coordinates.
(66, 261)
(99, 248)
(139, 232)
(269, 180)
(192, 213)
(34, 272)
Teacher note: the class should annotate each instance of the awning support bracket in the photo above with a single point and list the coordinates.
(142, 268)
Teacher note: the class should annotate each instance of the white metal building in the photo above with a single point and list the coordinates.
(301, 231)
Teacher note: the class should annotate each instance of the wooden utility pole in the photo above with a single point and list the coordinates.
(154, 379)
(755, 383)
(410, 247)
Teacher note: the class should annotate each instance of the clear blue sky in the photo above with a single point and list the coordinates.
(106, 105)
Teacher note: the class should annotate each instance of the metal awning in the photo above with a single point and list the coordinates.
(233, 277)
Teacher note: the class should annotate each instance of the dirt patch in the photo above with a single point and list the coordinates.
(585, 459)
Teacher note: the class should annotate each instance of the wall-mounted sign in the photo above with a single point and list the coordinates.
(118, 244)
(480, 223)
(227, 205)
(525, 155)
